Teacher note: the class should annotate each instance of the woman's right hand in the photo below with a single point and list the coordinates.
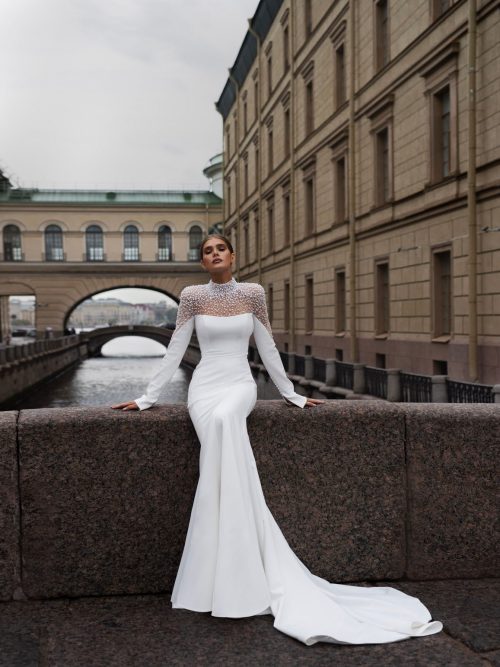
(129, 405)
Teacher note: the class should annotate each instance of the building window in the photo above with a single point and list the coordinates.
(228, 142)
(12, 244)
(308, 17)
(164, 243)
(286, 316)
(286, 48)
(195, 239)
(286, 218)
(340, 192)
(340, 299)
(54, 244)
(257, 166)
(382, 55)
(229, 209)
(382, 298)
(442, 293)
(270, 226)
(94, 243)
(382, 167)
(340, 79)
(256, 99)
(287, 132)
(246, 241)
(270, 299)
(380, 360)
(257, 236)
(245, 116)
(269, 74)
(439, 7)
(131, 243)
(245, 178)
(309, 107)
(441, 145)
(309, 205)
(309, 304)
(270, 151)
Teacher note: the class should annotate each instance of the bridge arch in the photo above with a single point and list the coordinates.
(97, 338)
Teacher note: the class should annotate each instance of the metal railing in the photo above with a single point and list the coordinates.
(300, 365)
(345, 374)
(376, 381)
(416, 388)
(285, 360)
(319, 369)
(469, 392)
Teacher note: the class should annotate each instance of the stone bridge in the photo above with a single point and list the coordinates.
(98, 337)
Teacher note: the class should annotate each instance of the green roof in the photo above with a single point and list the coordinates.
(111, 197)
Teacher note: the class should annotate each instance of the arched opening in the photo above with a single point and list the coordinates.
(12, 251)
(165, 244)
(131, 244)
(195, 238)
(129, 306)
(54, 251)
(94, 244)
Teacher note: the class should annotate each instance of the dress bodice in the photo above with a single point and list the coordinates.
(224, 334)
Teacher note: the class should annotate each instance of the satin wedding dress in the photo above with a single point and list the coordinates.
(236, 561)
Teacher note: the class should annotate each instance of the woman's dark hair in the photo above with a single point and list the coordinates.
(215, 236)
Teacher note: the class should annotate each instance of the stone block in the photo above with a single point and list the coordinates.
(106, 499)
(452, 454)
(334, 480)
(9, 507)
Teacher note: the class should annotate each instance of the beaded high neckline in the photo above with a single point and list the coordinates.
(222, 288)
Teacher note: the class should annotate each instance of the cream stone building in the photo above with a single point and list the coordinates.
(362, 179)
(63, 246)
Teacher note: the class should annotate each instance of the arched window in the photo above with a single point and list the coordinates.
(164, 243)
(131, 243)
(12, 244)
(94, 243)
(195, 238)
(54, 244)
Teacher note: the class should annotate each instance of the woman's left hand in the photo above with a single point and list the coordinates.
(313, 401)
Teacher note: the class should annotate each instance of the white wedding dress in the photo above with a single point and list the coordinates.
(236, 561)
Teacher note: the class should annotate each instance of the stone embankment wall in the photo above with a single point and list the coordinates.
(97, 502)
(24, 366)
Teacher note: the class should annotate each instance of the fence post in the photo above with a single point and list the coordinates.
(330, 372)
(439, 389)
(359, 383)
(308, 367)
(393, 385)
(496, 393)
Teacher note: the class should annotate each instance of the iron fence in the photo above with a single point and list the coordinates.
(319, 369)
(345, 374)
(376, 381)
(300, 365)
(416, 388)
(469, 392)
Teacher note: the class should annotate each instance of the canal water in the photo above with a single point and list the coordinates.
(120, 375)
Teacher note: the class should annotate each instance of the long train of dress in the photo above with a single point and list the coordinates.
(236, 561)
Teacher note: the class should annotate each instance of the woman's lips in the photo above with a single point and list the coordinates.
(216, 261)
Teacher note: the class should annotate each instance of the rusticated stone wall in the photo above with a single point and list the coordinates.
(97, 502)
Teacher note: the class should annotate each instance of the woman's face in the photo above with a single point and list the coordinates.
(216, 256)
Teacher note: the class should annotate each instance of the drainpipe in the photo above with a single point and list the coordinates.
(352, 194)
(471, 195)
(259, 166)
(238, 203)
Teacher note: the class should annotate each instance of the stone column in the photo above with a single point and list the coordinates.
(359, 384)
(496, 393)
(439, 389)
(331, 372)
(393, 385)
(4, 320)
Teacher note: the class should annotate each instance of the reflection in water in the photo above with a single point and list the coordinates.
(121, 376)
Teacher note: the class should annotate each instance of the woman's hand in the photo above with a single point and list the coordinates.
(129, 405)
(311, 402)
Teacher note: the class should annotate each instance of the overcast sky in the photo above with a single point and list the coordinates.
(114, 93)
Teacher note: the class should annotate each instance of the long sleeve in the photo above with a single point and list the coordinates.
(269, 353)
(179, 341)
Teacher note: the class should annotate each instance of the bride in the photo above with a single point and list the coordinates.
(236, 561)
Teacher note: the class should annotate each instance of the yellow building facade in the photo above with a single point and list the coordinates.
(354, 190)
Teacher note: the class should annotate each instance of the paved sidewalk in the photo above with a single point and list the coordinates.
(144, 631)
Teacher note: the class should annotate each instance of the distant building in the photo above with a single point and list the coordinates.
(346, 175)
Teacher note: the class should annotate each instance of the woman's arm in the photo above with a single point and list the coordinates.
(184, 326)
(268, 351)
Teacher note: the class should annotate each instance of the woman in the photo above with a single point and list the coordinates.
(236, 561)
